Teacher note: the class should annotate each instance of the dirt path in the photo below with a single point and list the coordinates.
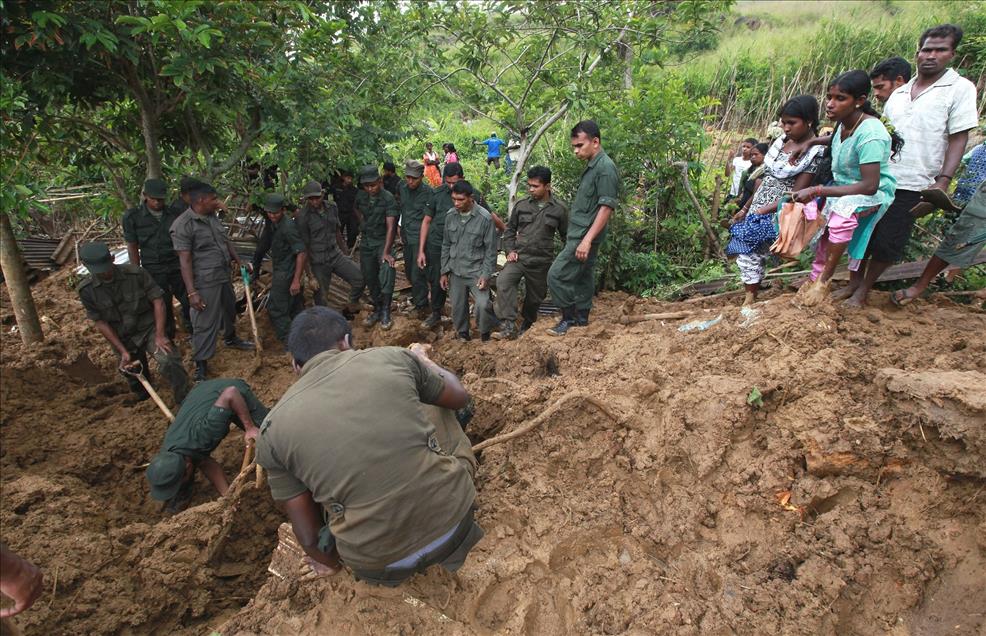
(849, 502)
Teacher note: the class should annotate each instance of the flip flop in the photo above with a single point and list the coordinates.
(940, 199)
(901, 299)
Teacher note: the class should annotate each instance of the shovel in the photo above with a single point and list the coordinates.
(253, 317)
(139, 374)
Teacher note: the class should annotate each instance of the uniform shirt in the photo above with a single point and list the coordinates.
(441, 203)
(125, 302)
(151, 233)
(285, 245)
(205, 237)
(414, 205)
(532, 227)
(392, 184)
(200, 425)
(318, 230)
(946, 107)
(600, 185)
(345, 198)
(469, 245)
(352, 431)
(375, 211)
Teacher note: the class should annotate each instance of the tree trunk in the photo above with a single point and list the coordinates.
(149, 128)
(17, 286)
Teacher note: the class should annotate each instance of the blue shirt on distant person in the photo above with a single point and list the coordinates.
(493, 145)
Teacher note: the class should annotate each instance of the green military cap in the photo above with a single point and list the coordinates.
(166, 474)
(369, 174)
(187, 184)
(155, 189)
(96, 257)
(414, 168)
(312, 189)
(273, 202)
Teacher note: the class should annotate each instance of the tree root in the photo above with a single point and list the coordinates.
(544, 416)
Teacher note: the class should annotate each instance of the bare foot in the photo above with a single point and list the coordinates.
(854, 301)
(750, 298)
(814, 294)
(845, 292)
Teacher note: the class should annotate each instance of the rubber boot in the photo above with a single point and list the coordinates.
(385, 322)
(201, 370)
(524, 326)
(434, 319)
(373, 318)
(581, 318)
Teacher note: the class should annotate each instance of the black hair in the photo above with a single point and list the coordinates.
(541, 173)
(453, 170)
(857, 84)
(892, 68)
(762, 148)
(187, 184)
(751, 140)
(952, 31)
(463, 187)
(389, 165)
(805, 108)
(316, 330)
(450, 147)
(589, 127)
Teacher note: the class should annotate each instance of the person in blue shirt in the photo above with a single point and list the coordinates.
(493, 145)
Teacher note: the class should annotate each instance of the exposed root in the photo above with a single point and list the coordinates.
(544, 416)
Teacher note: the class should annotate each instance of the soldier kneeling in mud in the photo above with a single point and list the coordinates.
(201, 424)
(369, 440)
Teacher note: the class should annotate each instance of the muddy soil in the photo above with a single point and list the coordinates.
(846, 499)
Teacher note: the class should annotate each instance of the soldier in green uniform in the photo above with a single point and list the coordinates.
(530, 246)
(206, 254)
(391, 182)
(377, 210)
(287, 255)
(318, 224)
(146, 230)
(128, 309)
(415, 201)
(571, 277)
(391, 470)
(200, 425)
(432, 234)
(468, 260)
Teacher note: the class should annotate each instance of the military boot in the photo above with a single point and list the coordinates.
(432, 320)
(581, 318)
(566, 322)
(201, 370)
(507, 331)
(524, 326)
(385, 322)
(373, 318)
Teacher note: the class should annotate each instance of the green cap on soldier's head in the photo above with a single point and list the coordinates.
(187, 184)
(274, 202)
(96, 257)
(414, 168)
(155, 189)
(312, 189)
(166, 474)
(369, 174)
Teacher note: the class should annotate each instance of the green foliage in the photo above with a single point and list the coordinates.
(754, 398)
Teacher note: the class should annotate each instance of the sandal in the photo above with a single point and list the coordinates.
(901, 299)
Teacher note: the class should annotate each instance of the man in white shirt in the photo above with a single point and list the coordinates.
(933, 112)
(738, 165)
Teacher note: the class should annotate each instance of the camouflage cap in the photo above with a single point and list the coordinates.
(155, 189)
(312, 189)
(414, 168)
(369, 174)
(165, 475)
(274, 202)
(96, 257)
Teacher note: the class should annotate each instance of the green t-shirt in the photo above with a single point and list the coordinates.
(414, 205)
(600, 185)
(200, 426)
(357, 431)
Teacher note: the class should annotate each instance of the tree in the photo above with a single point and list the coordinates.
(526, 65)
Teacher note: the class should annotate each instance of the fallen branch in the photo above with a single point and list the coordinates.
(713, 239)
(544, 416)
(670, 315)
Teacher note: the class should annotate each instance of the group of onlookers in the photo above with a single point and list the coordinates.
(870, 178)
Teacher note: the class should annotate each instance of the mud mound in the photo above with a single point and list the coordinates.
(782, 470)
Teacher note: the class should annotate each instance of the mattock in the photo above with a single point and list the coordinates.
(139, 374)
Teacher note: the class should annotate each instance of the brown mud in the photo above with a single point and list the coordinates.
(847, 499)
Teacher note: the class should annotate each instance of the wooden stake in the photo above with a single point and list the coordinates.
(670, 315)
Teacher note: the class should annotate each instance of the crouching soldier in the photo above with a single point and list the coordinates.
(127, 307)
(391, 468)
(201, 424)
